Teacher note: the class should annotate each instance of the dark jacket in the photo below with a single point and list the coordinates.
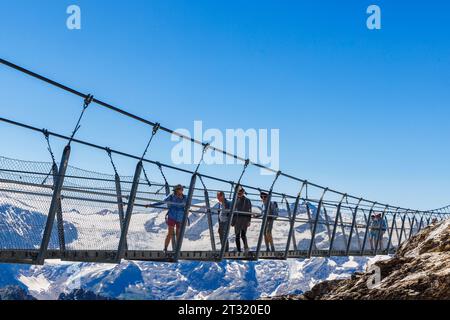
(243, 204)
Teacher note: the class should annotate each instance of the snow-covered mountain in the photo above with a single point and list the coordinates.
(22, 228)
(184, 280)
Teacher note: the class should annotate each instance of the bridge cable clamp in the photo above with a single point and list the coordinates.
(88, 100)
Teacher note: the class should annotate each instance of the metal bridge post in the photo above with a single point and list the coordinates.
(327, 220)
(420, 224)
(267, 212)
(288, 240)
(292, 218)
(210, 222)
(59, 216)
(132, 198)
(336, 220)
(208, 215)
(316, 220)
(308, 213)
(394, 222)
(428, 220)
(120, 204)
(54, 205)
(119, 200)
(402, 228)
(344, 234)
(187, 207)
(406, 229)
(411, 230)
(357, 233)
(230, 219)
(349, 242)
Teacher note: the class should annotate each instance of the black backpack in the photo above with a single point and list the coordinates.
(274, 210)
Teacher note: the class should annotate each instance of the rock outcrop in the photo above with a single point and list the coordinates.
(419, 270)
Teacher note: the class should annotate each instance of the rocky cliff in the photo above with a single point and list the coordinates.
(419, 270)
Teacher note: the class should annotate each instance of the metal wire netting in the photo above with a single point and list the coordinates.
(93, 206)
(25, 194)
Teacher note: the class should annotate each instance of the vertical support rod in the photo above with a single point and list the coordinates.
(56, 202)
(316, 221)
(185, 217)
(267, 212)
(310, 220)
(402, 228)
(291, 235)
(132, 198)
(336, 220)
(357, 234)
(210, 222)
(120, 206)
(411, 231)
(327, 221)
(344, 235)
(230, 219)
(394, 222)
(349, 242)
(59, 216)
(119, 200)
(420, 224)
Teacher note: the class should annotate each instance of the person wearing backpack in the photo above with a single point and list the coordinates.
(242, 219)
(271, 216)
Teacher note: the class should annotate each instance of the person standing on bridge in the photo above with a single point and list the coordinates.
(176, 203)
(242, 219)
(272, 215)
(224, 216)
(378, 227)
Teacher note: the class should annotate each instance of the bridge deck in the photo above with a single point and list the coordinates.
(109, 256)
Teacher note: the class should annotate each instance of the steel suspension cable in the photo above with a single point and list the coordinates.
(49, 149)
(109, 152)
(166, 183)
(86, 103)
(156, 127)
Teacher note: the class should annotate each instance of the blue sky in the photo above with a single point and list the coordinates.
(365, 112)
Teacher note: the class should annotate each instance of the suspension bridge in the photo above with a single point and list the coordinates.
(53, 210)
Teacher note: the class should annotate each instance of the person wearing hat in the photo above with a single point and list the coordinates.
(377, 229)
(175, 203)
(242, 219)
(272, 215)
